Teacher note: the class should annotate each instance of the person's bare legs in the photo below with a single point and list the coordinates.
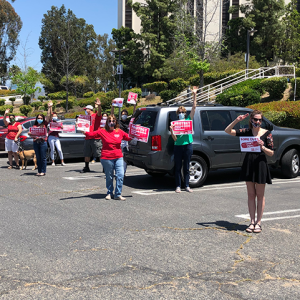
(9, 154)
(260, 192)
(87, 159)
(16, 157)
(251, 200)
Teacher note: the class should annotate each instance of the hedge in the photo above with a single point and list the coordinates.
(156, 86)
(2, 102)
(275, 86)
(42, 98)
(74, 114)
(45, 105)
(3, 108)
(62, 95)
(36, 104)
(70, 103)
(178, 85)
(254, 84)
(25, 109)
(168, 95)
(7, 92)
(37, 112)
(291, 109)
(88, 94)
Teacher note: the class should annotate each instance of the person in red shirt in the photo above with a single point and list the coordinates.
(92, 146)
(14, 131)
(112, 155)
(40, 145)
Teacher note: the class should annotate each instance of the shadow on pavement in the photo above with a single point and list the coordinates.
(225, 225)
(93, 196)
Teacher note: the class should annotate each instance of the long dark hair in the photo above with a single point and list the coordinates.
(107, 127)
(36, 122)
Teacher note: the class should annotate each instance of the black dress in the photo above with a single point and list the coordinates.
(255, 167)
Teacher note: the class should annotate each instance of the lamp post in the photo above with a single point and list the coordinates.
(120, 72)
(249, 32)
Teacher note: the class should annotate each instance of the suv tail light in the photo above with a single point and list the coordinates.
(23, 138)
(156, 143)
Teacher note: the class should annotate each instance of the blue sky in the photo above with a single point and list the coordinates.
(102, 14)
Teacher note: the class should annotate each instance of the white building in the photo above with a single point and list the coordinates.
(214, 14)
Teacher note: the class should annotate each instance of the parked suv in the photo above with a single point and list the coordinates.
(212, 147)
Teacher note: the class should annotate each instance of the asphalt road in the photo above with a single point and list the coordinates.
(60, 239)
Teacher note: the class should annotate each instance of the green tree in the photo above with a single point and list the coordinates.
(288, 46)
(26, 82)
(157, 32)
(10, 27)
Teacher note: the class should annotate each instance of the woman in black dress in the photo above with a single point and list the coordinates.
(255, 170)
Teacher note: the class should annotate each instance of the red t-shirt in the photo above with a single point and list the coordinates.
(95, 125)
(111, 142)
(12, 130)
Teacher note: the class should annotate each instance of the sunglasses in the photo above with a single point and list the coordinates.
(256, 120)
(112, 121)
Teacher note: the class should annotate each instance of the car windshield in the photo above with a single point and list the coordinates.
(145, 118)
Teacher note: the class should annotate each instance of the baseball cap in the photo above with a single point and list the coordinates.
(89, 107)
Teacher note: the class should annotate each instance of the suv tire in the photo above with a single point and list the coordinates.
(155, 174)
(290, 163)
(198, 171)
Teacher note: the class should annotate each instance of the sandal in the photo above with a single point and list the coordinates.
(250, 230)
(10, 167)
(257, 230)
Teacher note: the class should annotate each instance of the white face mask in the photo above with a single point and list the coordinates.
(124, 117)
(104, 118)
(86, 113)
(181, 116)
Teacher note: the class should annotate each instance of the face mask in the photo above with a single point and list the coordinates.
(55, 119)
(39, 121)
(111, 124)
(104, 118)
(124, 117)
(255, 125)
(12, 120)
(181, 116)
(86, 112)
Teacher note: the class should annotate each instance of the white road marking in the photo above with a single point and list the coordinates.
(213, 187)
(247, 216)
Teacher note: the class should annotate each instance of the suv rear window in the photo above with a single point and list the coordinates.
(173, 117)
(146, 118)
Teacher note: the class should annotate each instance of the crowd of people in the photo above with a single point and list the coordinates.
(107, 138)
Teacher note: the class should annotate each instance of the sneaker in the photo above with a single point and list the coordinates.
(120, 198)
(85, 170)
(53, 164)
(178, 190)
(63, 164)
(188, 189)
(108, 197)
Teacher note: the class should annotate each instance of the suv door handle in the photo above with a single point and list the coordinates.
(209, 138)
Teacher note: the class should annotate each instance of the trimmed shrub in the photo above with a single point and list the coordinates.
(3, 108)
(243, 96)
(178, 85)
(12, 99)
(25, 109)
(150, 97)
(254, 84)
(297, 72)
(45, 105)
(42, 98)
(62, 95)
(157, 86)
(2, 102)
(168, 95)
(85, 102)
(26, 100)
(37, 112)
(276, 117)
(88, 94)
(74, 114)
(275, 86)
(36, 104)
(70, 104)
(7, 92)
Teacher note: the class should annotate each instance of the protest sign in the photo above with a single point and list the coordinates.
(118, 102)
(84, 123)
(132, 98)
(139, 133)
(69, 129)
(38, 132)
(56, 126)
(250, 144)
(182, 127)
(131, 122)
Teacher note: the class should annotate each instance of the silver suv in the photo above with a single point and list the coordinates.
(212, 147)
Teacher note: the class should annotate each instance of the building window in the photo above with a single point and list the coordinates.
(235, 3)
(128, 15)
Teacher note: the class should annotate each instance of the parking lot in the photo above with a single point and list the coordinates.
(60, 239)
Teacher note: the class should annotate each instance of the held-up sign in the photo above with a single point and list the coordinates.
(84, 123)
(118, 102)
(132, 98)
(40, 132)
(69, 129)
(182, 127)
(131, 122)
(249, 144)
(139, 133)
(56, 126)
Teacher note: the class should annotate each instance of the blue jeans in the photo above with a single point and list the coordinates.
(109, 167)
(40, 150)
(182, 153)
